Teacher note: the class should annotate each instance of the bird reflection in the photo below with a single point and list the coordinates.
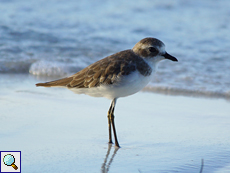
(202, 166)
(106, 164)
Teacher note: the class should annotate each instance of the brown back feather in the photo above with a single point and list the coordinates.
(104, 71)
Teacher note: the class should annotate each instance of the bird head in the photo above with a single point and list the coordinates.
(152, 50)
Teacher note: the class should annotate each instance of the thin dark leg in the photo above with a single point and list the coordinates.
(114, 131)
(112, 121)
(109, 123)
(110, 132)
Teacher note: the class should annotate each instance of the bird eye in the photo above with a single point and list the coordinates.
(153, 50)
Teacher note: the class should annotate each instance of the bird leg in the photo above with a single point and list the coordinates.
(111, 122)
(110, 133)
(114, 131)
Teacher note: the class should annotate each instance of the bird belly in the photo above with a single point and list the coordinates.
(124, 86)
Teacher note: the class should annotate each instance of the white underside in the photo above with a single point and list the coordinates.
(126, 86)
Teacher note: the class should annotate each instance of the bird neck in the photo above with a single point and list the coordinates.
(152, 63)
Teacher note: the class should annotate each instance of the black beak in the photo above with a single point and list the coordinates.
(167, 56)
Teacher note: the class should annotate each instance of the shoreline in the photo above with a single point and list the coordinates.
(167, 91)
(187, 93)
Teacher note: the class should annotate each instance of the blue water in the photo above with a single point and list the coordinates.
(57, 38)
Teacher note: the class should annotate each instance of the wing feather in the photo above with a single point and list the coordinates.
(105, 71)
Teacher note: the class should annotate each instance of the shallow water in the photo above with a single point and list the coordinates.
(57, 131)
(57, 38)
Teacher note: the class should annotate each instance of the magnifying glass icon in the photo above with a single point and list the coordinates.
(9, 160)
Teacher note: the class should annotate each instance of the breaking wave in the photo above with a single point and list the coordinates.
(188, 92)
(55, 69)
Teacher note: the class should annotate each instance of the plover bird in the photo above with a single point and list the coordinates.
(118, 75)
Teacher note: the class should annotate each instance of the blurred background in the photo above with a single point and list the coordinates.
(56, 38)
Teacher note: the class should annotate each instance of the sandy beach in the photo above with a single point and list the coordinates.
(59, 131)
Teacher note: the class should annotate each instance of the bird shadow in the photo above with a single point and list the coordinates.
(107, 163)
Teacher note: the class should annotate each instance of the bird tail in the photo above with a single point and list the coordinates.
(60, 82)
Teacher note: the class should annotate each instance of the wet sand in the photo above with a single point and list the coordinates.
(59, 131)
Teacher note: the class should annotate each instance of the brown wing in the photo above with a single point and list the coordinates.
(105, 71)
(59, 82)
